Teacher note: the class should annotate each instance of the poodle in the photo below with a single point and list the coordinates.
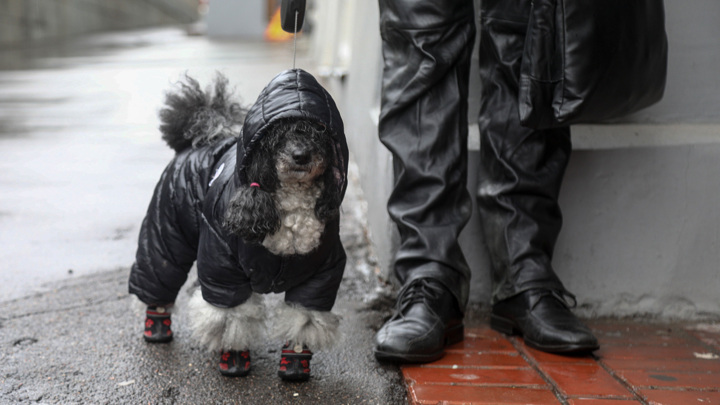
(252, 197)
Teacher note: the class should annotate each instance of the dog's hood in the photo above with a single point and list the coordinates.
(296, 94)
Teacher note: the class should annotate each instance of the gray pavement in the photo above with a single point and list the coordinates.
(79, 157)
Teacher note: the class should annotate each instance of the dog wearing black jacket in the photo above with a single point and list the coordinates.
(252, 198)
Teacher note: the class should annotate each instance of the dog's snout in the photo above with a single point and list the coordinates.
(301, 157)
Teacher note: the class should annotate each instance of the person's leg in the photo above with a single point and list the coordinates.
(423, 122)
(521, 171)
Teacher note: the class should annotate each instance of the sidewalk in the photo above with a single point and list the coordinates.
(669, 364)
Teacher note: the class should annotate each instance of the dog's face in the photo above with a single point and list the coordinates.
(300, 158)
(292, 152)
(294, 155)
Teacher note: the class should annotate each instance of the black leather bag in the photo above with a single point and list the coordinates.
(591, 60)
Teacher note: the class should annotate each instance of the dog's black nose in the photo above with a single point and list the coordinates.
(301, 157)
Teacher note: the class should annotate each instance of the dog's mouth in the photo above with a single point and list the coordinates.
(301, 168)
(291, 171)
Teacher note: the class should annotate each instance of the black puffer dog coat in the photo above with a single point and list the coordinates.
(185, 217)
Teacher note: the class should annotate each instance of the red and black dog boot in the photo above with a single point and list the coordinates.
(234, 363)
(157, 325)
(295, 363)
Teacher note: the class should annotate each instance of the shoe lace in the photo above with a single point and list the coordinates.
(417, 291)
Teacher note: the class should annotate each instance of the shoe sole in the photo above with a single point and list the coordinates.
(453, 335)
(237, 374)
(508, 327)
(163, 339)
(299, 378)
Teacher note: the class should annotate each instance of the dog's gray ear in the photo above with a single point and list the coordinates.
(252, 214)
(327, 206)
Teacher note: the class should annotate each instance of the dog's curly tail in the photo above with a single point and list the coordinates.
(192, 117)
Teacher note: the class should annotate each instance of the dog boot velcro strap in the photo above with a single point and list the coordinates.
(295, 363)
(157, 325)
(234, 363)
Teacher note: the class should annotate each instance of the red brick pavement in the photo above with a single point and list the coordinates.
(676, 364)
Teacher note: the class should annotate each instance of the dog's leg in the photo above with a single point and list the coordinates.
(303, 331)
(226, 328)
(301, 326)
(230, 331)
(157, 321)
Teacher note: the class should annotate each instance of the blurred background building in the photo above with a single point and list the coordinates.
(23, 22)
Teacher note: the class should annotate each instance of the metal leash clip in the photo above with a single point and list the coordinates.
(292, 15)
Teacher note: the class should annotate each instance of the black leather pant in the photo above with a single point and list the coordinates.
(427, 46)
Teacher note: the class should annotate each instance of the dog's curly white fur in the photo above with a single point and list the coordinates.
(237, 328)
(315, 329)
(226, 328)
(300, 230)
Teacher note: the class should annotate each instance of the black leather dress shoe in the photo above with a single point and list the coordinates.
(426, 319)
(544, 320)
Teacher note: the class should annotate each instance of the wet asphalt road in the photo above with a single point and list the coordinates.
(79, 157)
